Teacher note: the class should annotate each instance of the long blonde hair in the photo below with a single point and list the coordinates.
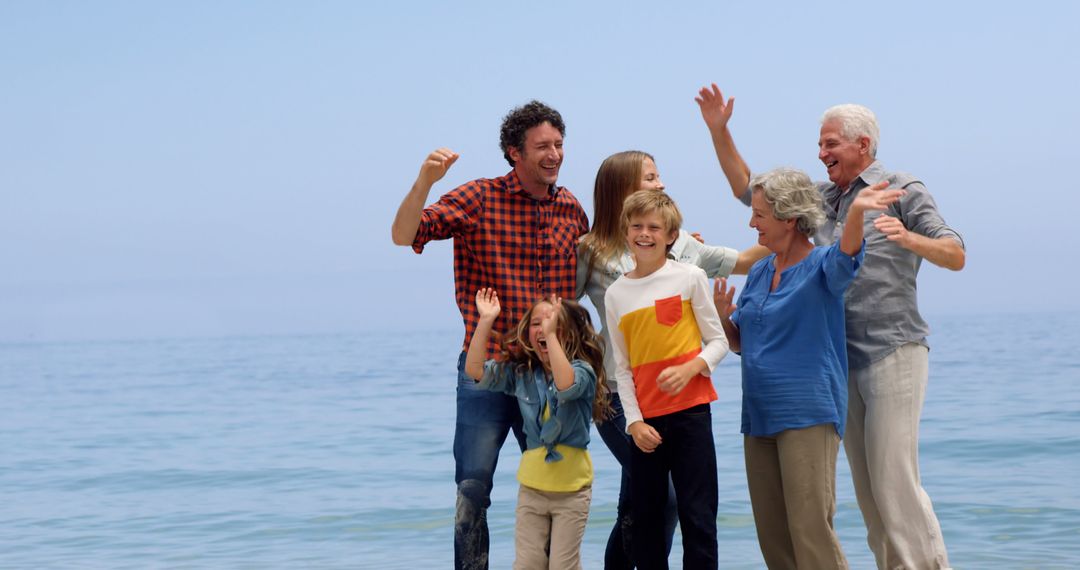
(578, 339)
(618, 177)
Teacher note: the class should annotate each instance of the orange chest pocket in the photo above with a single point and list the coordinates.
(669, 311)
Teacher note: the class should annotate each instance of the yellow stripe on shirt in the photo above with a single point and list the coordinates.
(649, 341)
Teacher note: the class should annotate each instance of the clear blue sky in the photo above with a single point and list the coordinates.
(211, 168)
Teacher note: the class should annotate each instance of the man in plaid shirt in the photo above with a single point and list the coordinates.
(517, 234)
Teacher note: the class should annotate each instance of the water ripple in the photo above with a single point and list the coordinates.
(334, 451)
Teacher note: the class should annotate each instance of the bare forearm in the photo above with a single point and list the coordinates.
(748, 257)
(408, 215)
(943, 252)
(477, 354)
(732, 333)
(733, 165)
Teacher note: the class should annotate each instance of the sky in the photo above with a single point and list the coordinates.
(196, 168)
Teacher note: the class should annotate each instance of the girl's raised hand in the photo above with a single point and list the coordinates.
(487, 303)
(549, 324)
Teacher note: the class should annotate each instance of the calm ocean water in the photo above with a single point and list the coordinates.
(334, 452)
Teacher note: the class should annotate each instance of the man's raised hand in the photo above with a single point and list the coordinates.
(714, 110)
(436, 164)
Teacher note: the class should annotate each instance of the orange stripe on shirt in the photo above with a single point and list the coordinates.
(653, 345)
(653, 402)
(647, 340)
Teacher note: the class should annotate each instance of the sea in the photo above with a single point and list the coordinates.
(334, 451)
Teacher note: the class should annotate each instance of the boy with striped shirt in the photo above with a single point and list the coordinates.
(667, 339)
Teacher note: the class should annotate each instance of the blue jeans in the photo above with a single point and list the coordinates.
(483, 420)
(618, 554)
(688, 456)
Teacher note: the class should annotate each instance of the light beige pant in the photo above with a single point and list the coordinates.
(549, 528)
(885, 402)
(792, 480)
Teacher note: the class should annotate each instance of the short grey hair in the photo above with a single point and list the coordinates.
(792, 196)
(855, 121)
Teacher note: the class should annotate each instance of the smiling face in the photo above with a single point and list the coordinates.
(772, 233)
(537, 162)
(648, 237)
(536, 332)
(650, 176)
(844, 159)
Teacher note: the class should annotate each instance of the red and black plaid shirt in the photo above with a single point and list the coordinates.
(526, 249)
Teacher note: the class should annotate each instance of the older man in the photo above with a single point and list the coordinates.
(518, 234)
(886, 335)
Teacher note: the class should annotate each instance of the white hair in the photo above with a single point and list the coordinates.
(856, 122)
(792, 196)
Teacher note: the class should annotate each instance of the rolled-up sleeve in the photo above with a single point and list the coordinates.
(499, 377)
(920, 214)
(584, 385)
(717, 260)
(456, 212)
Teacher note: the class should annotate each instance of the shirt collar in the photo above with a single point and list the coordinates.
(513, 186)
(873, 174)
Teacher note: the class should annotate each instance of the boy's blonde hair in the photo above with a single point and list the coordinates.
(644, 202)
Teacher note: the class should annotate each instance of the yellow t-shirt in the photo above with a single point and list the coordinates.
(571, 473)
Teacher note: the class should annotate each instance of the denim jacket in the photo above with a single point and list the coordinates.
(571, 409)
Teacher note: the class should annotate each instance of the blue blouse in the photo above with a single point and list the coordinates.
(794, 349)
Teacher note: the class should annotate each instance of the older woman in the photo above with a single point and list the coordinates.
(789, 329)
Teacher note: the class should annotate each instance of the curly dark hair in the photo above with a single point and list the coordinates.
(523, 118)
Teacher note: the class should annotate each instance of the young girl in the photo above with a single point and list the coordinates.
(557, 376)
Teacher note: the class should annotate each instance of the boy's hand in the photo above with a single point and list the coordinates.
(673, 379)
(550, 323)
(487, 304)
(645, 436)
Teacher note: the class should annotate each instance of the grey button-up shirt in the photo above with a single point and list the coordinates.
(881, 304)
